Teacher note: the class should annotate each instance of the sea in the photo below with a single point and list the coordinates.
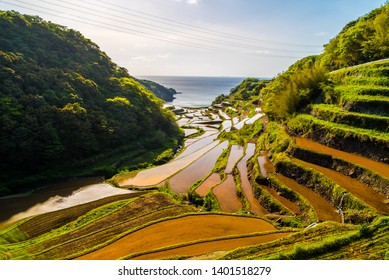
(195, 91)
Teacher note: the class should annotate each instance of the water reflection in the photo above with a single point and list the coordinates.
(208, 183)
(246, 186)
(55, 197)
(235, 154)
(181, 182)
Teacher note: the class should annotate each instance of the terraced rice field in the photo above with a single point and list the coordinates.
(375, 166)
(180, 230)
(156, 225)
(324, 210)
(207, 184)
(157, 175)
(203, 248)
(181, 182)
(363, 192)
(255, 207)
(226, 195)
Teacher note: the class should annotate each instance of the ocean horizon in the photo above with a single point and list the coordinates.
(196, 91)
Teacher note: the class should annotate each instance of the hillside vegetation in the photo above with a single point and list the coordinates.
(293, 168)
(327, 145)
(66, 106)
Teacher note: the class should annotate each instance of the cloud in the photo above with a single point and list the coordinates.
(193, 2)
(190, 2)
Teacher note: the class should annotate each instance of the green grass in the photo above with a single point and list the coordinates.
(373, 69)
(335, 114)
(327, 240)
(303, 124)
(361, 90)
(242, 136)
(339, 136)
(275, 139)
(361, 80)
(221, 163)
(369, 104)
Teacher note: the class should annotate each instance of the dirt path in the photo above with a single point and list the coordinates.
(181, 230)
(362, 191)
(375, 166)
(324, 210)
(205, 248)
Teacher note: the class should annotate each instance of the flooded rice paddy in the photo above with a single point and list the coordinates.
(156, 175)
(358, 189)
(55, 197)
(324, 210)
(207, 184)
(181, 182)
(226, 195)
(376, 166)
(235, 154)
(255, 207)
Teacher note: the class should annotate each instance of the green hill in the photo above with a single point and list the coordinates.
(66, 106)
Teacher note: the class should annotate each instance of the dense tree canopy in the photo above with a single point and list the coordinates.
(362, 40)
(63, 100)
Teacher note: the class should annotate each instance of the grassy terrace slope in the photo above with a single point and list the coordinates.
(338, 148)
(339, 242)
(90, 230)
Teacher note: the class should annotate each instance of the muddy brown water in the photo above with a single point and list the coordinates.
(255, 207)
(376, 166)
(235, 154)
(207, 184)
(181, 182)
(358, 189)
(324, 210)
(54, 197)
(156, 175)
(225, 193)
(267, 167)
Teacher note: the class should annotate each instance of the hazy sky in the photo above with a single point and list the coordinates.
(257, 38)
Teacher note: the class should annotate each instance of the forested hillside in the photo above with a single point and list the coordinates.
(65, 104)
